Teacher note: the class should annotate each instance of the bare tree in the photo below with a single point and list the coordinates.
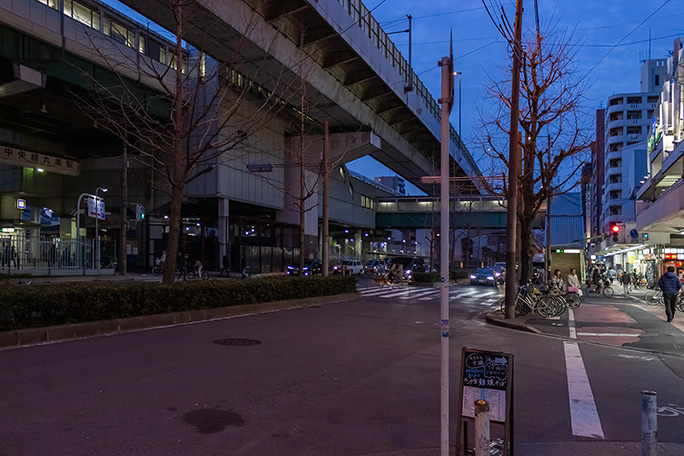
(192, 113)
(553, 137)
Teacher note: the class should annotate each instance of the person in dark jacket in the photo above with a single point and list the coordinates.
(670, 284)
(224, 266)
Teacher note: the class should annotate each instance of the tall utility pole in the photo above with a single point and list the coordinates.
(547, 256)
(513, 166)
(447, 102)
(326, 164)
(124, 210)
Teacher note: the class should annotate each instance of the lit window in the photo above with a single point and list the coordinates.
(82, 13)
(119, 32)
(51, 3)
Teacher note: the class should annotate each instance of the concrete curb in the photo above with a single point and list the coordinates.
(495, 318)
(121, 325)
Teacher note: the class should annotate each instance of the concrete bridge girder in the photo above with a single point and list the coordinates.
(235, 19)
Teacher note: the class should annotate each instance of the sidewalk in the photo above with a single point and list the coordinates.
(622, 321)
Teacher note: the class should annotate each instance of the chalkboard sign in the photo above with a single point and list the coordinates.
(486, 376)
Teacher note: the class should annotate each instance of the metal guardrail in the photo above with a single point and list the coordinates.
(19, 252)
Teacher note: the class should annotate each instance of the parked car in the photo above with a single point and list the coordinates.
(374, 267)
(311, 268)
(348, 267)
(483, 276)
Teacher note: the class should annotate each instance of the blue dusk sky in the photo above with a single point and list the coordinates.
(611, 38)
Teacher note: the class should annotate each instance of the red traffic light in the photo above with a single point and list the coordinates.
(615, 229)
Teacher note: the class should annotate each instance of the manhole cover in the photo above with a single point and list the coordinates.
(237, 342)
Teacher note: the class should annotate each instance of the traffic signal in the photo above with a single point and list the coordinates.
(645, 236)
(615, 230)
(139, 213)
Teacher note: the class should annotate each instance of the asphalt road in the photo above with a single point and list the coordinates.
(354, 378)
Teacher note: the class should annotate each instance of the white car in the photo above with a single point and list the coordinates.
(349, 267)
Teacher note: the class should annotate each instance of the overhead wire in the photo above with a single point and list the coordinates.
(623, 39)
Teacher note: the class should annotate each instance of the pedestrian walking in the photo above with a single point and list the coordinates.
(670, 284)
(243, 266)
(626, 281)
(612, 274)
(224, 266)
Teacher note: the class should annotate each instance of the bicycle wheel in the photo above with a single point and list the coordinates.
(560, 306)
(608, 292)
(591, 292)
(679, 304)
(650, 296)
(521, 307)
(501, 304)
(190, 275)
(546, 307)
(573, 300)
(205, 275)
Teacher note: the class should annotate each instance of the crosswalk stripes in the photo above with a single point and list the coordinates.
(427, 294)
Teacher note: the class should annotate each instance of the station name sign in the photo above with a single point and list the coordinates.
(30, 159)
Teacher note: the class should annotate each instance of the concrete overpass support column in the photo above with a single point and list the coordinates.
(358, 243)
(223, 228)
(298, 187)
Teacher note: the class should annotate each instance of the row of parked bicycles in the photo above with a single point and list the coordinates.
(547, 303)
(655, 297)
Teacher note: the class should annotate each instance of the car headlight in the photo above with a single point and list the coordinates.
(290, 268)
(497, 274)
(490, 278)
(472, 276)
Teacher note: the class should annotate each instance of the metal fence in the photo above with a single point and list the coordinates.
(21, 253)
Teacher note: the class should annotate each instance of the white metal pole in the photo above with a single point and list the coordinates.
(97, 233)
(482, 438)
(447, 102)
(78, 228)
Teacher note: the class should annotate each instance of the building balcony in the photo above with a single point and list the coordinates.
(613, 219)
(624, 138)
(626, 123)
(614, 170)
(614, 186)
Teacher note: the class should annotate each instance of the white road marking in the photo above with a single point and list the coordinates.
(583, 413)
(420, 293)
(571, 324)
(608, 334)
(644, 358)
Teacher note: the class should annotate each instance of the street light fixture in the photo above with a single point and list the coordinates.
(459, 73)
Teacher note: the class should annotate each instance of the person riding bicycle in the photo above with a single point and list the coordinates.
(393, 273)
(160, 261)
(183, 266)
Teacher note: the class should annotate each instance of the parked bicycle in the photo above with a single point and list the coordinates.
(534, 301)
(654, 297)
(572, 299)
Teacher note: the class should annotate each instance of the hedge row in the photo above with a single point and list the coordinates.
(37, 306)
